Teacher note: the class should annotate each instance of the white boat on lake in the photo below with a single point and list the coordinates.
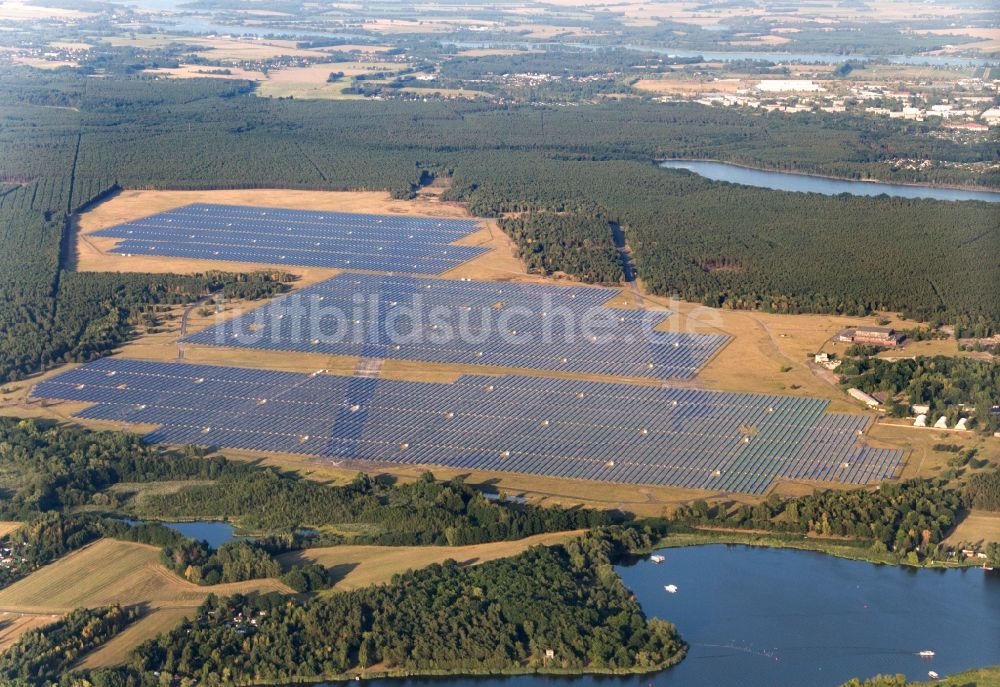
(671, 588)
(656, 558)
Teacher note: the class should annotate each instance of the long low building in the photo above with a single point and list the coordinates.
(871, 336)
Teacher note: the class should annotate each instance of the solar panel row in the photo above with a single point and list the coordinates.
(475, 323)
(384, 243)
(586, 430)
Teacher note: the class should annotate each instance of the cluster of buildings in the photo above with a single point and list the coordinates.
(9, 559)
(243, 624)
(971, 106)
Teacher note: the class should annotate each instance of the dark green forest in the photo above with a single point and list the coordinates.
(983, 491)
(909, 518)
(501, 616)
(66, 140)
(578, 244)
(47, 655)
(48, 474)
(424, 512)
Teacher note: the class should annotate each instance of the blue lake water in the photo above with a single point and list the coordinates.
(783, 181)
(757, 617)
(215, 532)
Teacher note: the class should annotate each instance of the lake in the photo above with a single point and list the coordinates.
(215, 532)
(758, 617)
(805, 183)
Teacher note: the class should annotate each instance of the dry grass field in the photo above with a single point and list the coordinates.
(197, 71)
(8, 526)
(13, 625)
(768, 353)
(150, 625)
(989, 37)
(686, 86)
(40, 63)
(108, 572)
(977, 526)
(104, 573)
(446, 92)
(363, 566)
(643, 500)
(923, 460)
(222, 47)
(310, 82)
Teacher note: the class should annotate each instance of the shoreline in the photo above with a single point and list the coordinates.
(846, 549)
(463, 673)
(831, 177)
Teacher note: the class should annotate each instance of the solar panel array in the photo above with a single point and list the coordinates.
(738, 442)
(380, 243)
(474, 323)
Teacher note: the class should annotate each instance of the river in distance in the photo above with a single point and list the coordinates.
(805, 183)
(759, 617)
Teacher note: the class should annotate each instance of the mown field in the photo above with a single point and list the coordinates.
(108, 572)
(363, 566)
(117, 650)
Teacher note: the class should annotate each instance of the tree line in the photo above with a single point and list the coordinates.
(909, 519)
(424, 512)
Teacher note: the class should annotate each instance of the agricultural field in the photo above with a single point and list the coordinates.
(108, 572)
(977, 526)
(13, 625)
(363, 566)
(312, 81)
(154, 623)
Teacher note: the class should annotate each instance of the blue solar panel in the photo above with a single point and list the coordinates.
(382, 243)
(510, 325)
(633, 434)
